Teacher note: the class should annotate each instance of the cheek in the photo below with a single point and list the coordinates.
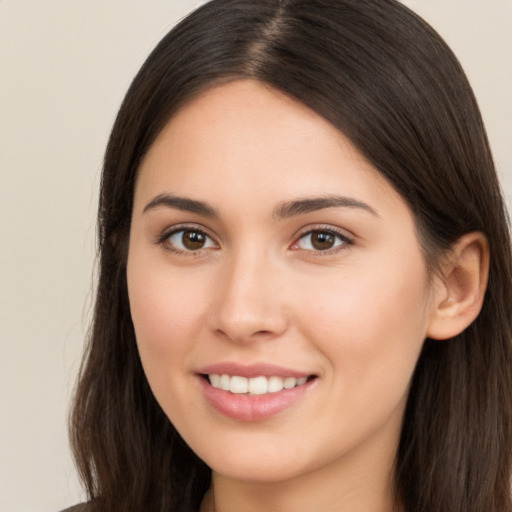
(168, 314)
(162, 306)
(370, 327)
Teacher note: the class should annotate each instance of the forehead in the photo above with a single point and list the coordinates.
(244, 138)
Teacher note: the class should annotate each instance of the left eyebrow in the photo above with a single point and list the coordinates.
(181, 203)
(307, 205)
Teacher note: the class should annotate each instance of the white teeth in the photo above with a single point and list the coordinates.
(239, 384)
(224, 382)
(258, 385)
(275, 384)
(215, 380)
(254, 386)
(289, 383)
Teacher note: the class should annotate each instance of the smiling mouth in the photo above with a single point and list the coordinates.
(260, 385)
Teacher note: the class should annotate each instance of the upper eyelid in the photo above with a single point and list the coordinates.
(186, 226)
(176, 228)
(347, 240)
(343, 233)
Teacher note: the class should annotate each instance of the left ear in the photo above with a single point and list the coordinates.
(459, 291)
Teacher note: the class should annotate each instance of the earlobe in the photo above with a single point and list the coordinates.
(461, 289)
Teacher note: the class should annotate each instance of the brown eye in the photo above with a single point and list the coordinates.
(188, 240)
(193, 240)
(321, 240)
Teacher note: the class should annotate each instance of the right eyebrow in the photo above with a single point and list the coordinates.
(308, 205)
(181, 203)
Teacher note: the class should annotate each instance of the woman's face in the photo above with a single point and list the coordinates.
(266, 252)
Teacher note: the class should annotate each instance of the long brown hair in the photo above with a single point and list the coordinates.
(392, 86)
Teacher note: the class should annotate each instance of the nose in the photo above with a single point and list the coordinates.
(249, 305)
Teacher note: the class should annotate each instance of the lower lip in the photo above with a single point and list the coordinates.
(252, 408)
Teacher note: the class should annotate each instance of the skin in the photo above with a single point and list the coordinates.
(355, 316)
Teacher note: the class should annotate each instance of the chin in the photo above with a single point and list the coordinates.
(263, 461)
(261, 471)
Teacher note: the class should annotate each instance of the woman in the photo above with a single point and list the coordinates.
(305, 274)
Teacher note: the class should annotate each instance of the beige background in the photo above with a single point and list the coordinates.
(64, 67)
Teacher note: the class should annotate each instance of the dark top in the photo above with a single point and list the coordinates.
(82, 507)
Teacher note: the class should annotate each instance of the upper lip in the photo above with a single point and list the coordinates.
(251, 370)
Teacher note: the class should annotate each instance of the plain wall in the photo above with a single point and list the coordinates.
(64, 68)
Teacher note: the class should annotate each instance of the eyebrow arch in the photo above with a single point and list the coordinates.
(302, 206)
(181, 203)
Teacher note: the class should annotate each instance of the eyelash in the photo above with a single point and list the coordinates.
(343, 241)
(164, 240)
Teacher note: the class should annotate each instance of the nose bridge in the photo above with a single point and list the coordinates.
(249, 304)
